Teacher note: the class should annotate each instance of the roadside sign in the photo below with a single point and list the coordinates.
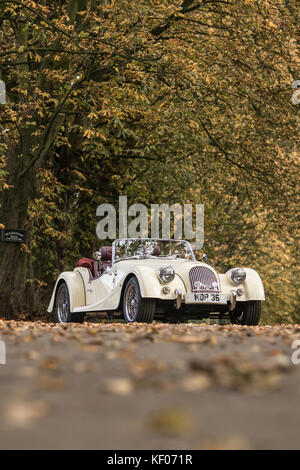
(14, 235)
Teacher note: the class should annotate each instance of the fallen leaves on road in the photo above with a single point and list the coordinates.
(171, 369)
(21, 413)
(175, 421)
(233, 442)
(209, 356)
(119, 386)
(196, 382)
(147, 367)
(50, 382)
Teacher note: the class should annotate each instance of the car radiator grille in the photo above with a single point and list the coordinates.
(203, 279)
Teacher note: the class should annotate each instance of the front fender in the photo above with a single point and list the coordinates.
(151, 286)
(76, 289)
(253, 286)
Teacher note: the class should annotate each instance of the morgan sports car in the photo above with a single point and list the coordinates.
(140, 280)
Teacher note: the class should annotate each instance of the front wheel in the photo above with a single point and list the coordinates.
(246, 313)
(62, 307)
(135, 307)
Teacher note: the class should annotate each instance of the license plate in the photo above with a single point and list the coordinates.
(206, 298)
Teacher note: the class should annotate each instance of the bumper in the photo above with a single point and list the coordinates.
(205, 299)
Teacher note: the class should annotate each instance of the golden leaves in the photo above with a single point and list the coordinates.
(194, 124)
(231, 442)
(93, 133)
(171, 421)
(196, 382)
(50, 382)
(146, 367)
(21, 413)
(119, 386)
(25, 248)
(79, 174)
(150, 99)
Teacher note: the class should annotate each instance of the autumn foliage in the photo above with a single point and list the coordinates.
(180, 101)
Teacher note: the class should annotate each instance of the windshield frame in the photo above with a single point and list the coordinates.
(158, 257)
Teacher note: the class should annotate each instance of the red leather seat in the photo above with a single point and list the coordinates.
(85, 263)
(106, 255)
(91, 265)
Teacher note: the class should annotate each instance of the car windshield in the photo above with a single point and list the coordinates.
(141, 248)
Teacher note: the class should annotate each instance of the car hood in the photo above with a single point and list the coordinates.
(182, 267)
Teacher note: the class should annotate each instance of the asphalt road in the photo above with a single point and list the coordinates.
(158, 386)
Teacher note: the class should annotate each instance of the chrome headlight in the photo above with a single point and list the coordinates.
(238, 275)
(166, 274)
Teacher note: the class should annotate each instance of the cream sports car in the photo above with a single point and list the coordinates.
(145, 279)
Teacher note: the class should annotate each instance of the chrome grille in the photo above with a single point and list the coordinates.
(203, 279)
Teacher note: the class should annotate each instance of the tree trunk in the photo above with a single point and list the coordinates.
(16, 290)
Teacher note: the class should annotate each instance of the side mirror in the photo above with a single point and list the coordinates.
(205, 258)
(109, 271)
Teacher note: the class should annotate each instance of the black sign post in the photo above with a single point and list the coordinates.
(14, 235)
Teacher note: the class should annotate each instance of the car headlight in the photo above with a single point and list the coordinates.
(166, 274)
(238, 275)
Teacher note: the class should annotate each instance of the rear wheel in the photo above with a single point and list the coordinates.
(62, 307)
(246, 313)
(135, 307)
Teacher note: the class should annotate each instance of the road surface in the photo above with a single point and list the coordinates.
(157, 386)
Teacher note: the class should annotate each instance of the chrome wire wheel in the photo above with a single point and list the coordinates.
(131, 303)
(62, 306)
(135, 307)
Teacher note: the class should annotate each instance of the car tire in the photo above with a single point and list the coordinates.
(246, 313)
(135, 307)
(62, 307)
